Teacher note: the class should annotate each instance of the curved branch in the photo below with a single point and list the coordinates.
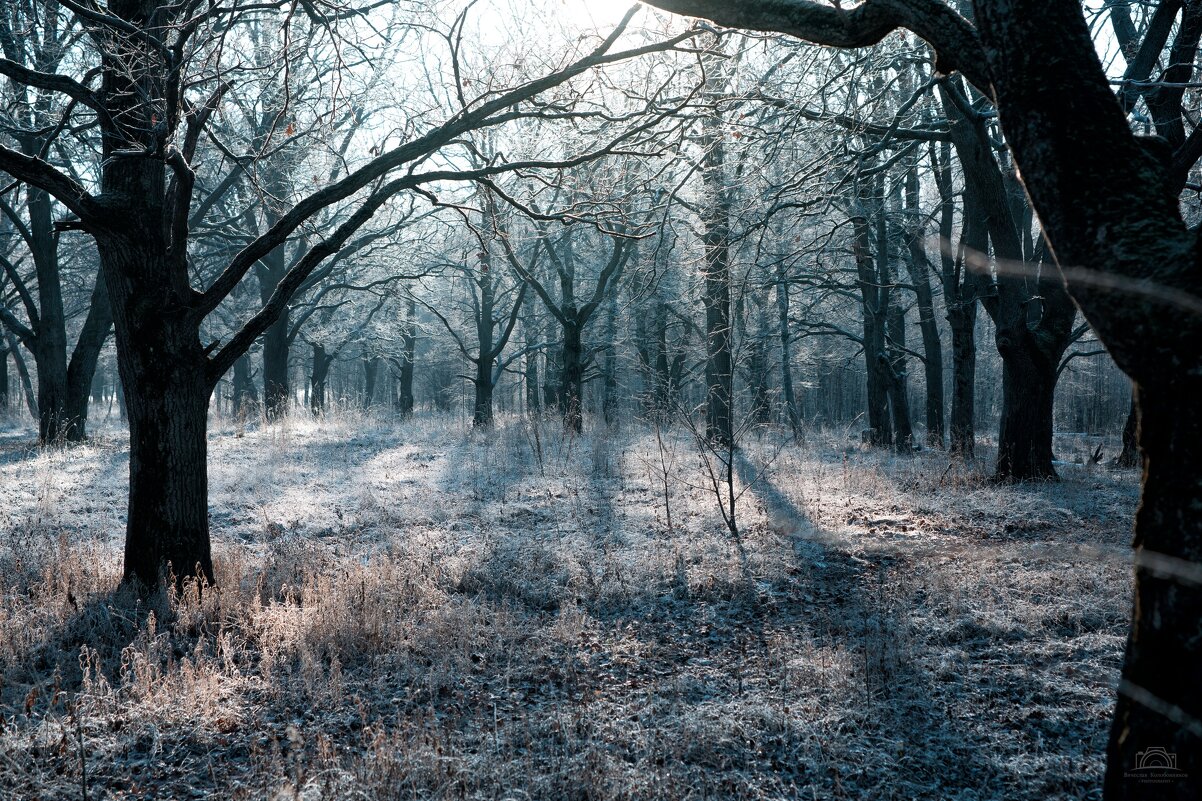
(953, 37)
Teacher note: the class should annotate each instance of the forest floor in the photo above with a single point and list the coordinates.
(415, 611)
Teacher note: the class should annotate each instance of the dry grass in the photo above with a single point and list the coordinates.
(419, 612)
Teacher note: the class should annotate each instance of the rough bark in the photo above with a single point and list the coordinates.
(277, 389)
(792, 410)
(408, 353)
(959, 299)
(572, 375)
(4, 396)
(163, 373)
(1129, 457)
(880, 426)
(932, 346)
(319, 374)
(81, 370)
(371, 375)
(244, 398)
(609, 387)
(716, 298)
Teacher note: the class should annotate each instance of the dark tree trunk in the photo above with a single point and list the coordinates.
(4, 396)
(962, 322)
(371, 374)
(277, 391)
(572, 379)
(959, 299)
(786, 352)
(53, 423)
(609, 389)
(244, 398)
(1025, 435)
(49, 346)
(1160, 695)
(898, 381)
(554, 367)
(1130, 454)
(409, 351)
(663, 369)
(82, 369)
(715, 214)
(318, 375)
(893, 357)
(168, 493)
(932, 347)
(880, 429)
(482, 411)
(533, 398)
(167, 388)
(1031, 350)
(757, 374)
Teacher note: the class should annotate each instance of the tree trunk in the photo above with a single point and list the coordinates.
(1160, 696)
(319, 373)
(53, 423)
(1028, 393)
(962, 321)
(530, 339)
(1130, 455)
(168, 522)
(165, 376)
(163, 373)
(277, 392)
(932, 347)
(409, 352)
(553, 367)
(786, 352)
(245, 399)
(609, 399)
(715, 235)
(663, 368)
(880, 429)
(371, 374)
(82, 368)
(898, 382)
(4, 398)
(573, 376)
(482, 411)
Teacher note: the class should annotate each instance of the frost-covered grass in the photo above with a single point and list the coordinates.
(417, 611)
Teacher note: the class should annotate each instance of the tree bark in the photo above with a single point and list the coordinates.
(898, 381)
(1028, 394)
(4, 396)
(408, 352)
(572, 380)
(609, 398)
(962, 322)
(245, 399)
(318, 375)
(932, 347)
(277, 390)
(880, 428)
(534, 402)
(1129, 457)
(552, 391)
(786, 352)
(719, 363)
(167, 389)
(82, 368)
(371, 374)
(1159, 695)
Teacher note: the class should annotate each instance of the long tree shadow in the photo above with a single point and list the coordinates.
(863, 602)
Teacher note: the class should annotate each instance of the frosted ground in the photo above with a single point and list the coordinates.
(415, 611)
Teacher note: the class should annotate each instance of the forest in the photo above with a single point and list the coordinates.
(572, 399)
